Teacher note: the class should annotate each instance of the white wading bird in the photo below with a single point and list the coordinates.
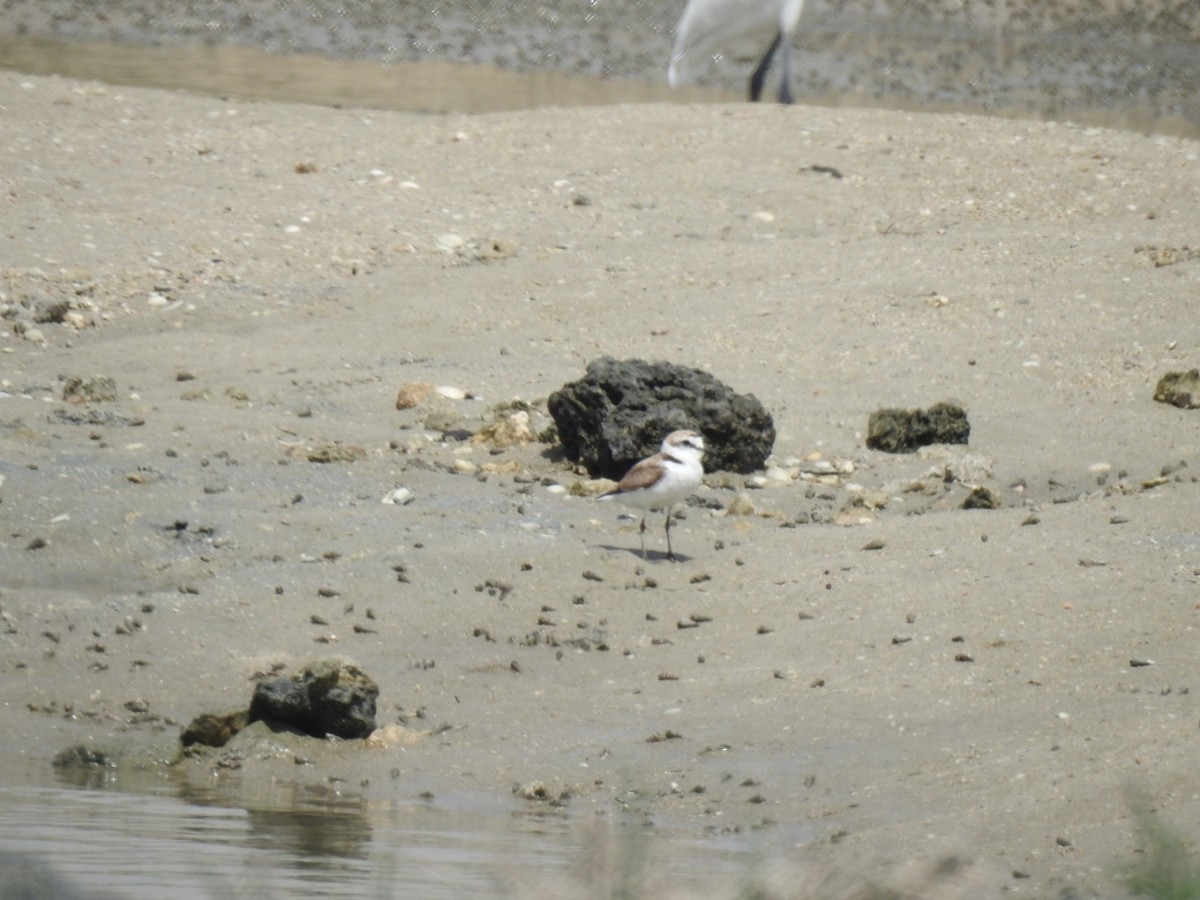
(662, 480)
(707, 26)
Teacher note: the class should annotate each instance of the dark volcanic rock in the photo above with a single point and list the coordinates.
(904, 430)
(327, 697)
(621, 410)
(342, 698)
(282, 699)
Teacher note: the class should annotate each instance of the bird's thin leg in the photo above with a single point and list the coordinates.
(785, 63)
(670, 552)
(642, 532)
(760, 73)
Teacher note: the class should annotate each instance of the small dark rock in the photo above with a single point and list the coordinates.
(621, 410)
(982, 498)
(326, 697)
(51, 311)
(81, 756)
(904, 430)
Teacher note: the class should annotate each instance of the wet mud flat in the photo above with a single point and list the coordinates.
(196, 448)
(1126, 64)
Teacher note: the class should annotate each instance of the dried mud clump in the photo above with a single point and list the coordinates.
(904, 430)
(1180, 389)
(214, 729)
(93, 389)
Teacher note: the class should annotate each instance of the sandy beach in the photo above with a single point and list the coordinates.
(854, 667)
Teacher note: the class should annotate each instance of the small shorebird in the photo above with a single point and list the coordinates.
(708, 26)
(662, 480)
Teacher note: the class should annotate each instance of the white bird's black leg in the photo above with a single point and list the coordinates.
(785, 63)
(642, 532)
(760, 73)
(670, 552)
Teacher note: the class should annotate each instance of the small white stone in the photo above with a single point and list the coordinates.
(451, 393)
(158, 300)
(399, 495)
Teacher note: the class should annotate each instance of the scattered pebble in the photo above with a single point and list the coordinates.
(741, 505)
(413, 394)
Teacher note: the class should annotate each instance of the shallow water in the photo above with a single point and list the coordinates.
(245, 72)
(154, 839)
(1128, 83)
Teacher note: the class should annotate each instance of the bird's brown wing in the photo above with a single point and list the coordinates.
(642, 475)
